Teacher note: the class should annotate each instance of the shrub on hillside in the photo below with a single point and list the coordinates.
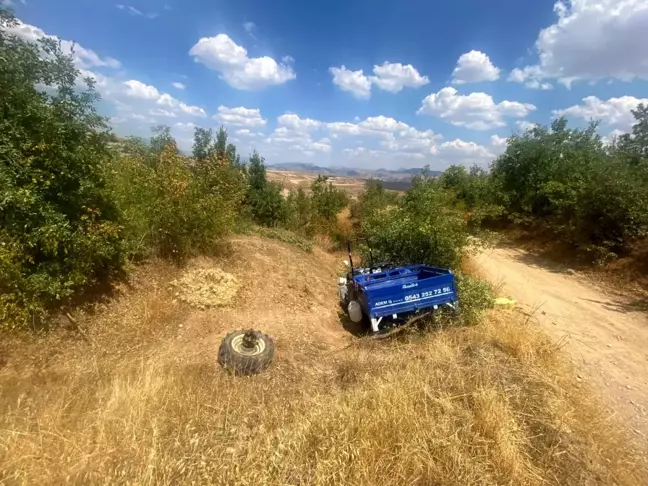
(424, 227)
(59, 230)
(591, 196)
(176, 207)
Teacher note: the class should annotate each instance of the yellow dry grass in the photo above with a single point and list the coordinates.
(493, 404)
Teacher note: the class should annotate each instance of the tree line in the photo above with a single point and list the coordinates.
(567, 183)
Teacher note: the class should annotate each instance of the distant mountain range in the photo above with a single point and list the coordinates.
(382, 174)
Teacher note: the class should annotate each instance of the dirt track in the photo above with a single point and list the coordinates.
(606, 337)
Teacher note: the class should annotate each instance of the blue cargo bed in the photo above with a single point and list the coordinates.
(404, 290)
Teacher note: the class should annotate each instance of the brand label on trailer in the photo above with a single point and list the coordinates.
(410, 286)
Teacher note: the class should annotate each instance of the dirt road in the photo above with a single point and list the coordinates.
(607, 338)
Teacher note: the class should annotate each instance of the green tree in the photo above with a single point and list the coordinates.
(634, 147)
(220, 146)
(162, 139)
(327, 200)
(203, 143)
(267, 204)
(59, 230)
(299, 212)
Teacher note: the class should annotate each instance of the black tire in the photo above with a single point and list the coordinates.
(237, 359)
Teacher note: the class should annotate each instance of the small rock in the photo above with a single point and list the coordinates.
(180, 326)
(609, 345)
(628, 387)
(607, 384)
(579, 377)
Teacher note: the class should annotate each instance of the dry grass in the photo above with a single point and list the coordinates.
(492, 404)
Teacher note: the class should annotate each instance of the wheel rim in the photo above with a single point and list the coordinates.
(237, 345)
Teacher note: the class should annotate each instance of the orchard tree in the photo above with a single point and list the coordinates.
(58, 228)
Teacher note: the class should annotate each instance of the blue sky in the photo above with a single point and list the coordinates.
(363, 83)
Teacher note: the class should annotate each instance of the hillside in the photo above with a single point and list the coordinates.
(143, 400)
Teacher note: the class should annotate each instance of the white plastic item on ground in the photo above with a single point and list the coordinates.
(355, 311)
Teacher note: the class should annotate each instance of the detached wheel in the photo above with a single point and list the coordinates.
(246, 352)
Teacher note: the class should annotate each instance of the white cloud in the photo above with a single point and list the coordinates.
(83, 58)
(391, 77)
(374, 142)
(383, 124)
(137, 89)
(249, 27)
(615, 111)
(178, 85)
(294, 122)
(474, 67)
(593, 40)
(531, 77)
(242, 117)
(162, 112)
(470, 151)
(142, 91)
(244, 132)
(192, 110)
(222, 54)
(355, 82)
(320, 147)
(476, 111)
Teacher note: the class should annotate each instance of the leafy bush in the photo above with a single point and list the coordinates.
(475, 296)
(59, 230)
(424, 227)
(373, 198)
(592, 196)
(175, 208)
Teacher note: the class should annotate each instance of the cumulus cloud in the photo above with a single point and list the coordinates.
(476, 111)
(531, 76)
(354, 82)
(294, 122)
(592, 40)
(240, 116)
(391, 77)
(142, 91)
(236, 68)
(615, 111)
(474, 67)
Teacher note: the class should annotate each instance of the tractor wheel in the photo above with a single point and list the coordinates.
(246, 352)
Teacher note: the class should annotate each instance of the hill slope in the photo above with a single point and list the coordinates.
(145, 402)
